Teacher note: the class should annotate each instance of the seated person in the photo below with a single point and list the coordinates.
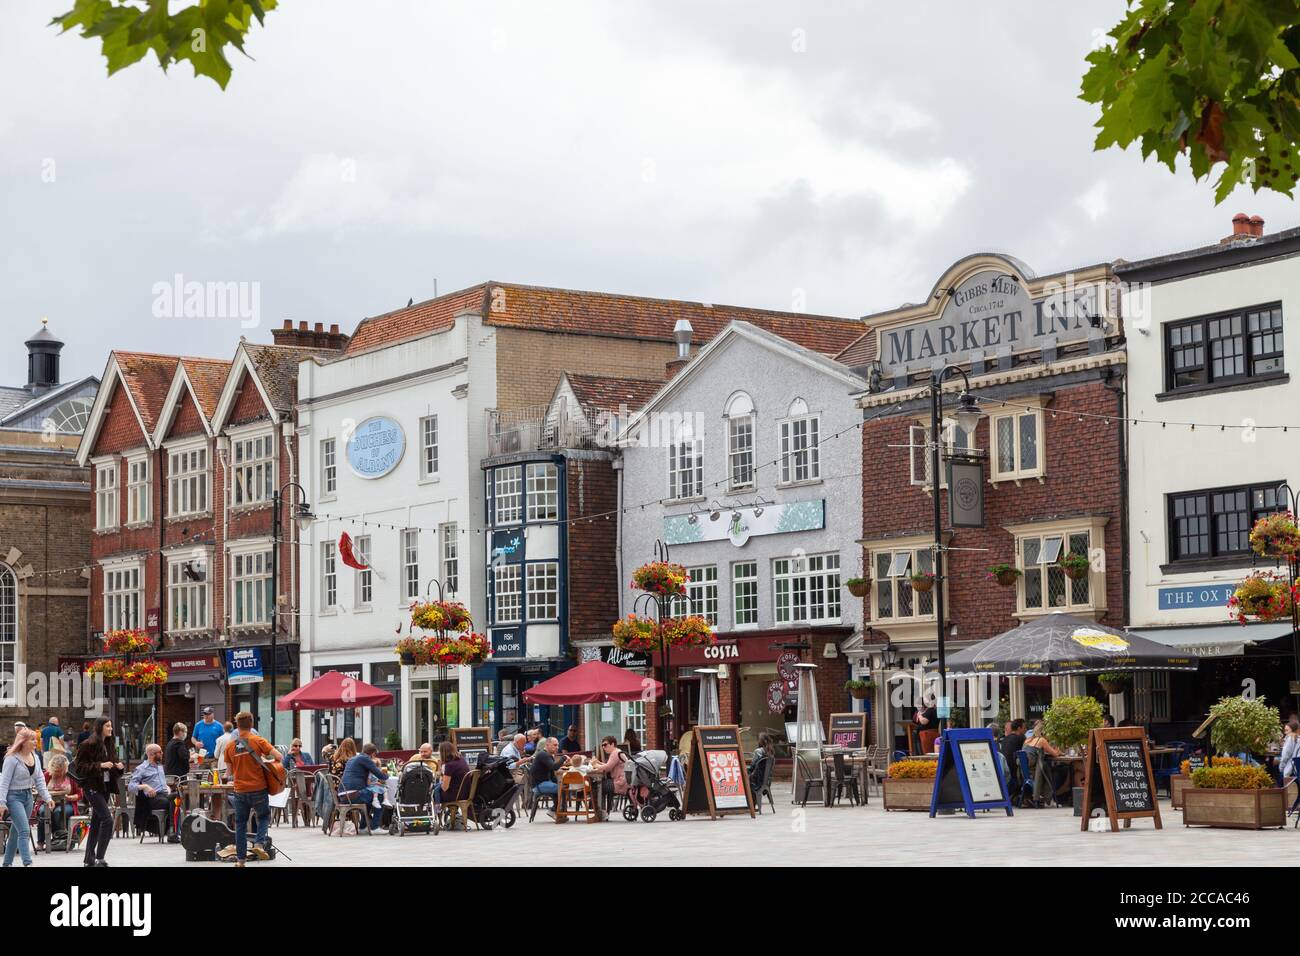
(355, 785)
(455, 769)
(1055, 774)
(613, 769)
(766, 748)
(534, 741)
(576, 762)
(296, 757)
(148, 785)
(545, 763)
(424, 756)
(514, 751)
(1011, 744)
(569, 744)
(65, 792)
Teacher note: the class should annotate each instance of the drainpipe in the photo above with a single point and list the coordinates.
(288, 432)
(222, 445)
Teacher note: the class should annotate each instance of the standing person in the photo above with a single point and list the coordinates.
(20, 774)
(569, 743)
(207, 731)
(925, 718)
(225, 740)
(148, 784)
(98, 769)
(1290, 750)
(243, 755)
(49, 732)
(176, 761)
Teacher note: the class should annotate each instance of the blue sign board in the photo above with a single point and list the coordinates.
(1194, 596)
(376, 447)
(244, 665)
(969, 775)
(507, 642)
(507, 547)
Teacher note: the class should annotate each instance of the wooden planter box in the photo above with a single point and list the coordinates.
(1177, 784)
(1235, 809)
(908, 794)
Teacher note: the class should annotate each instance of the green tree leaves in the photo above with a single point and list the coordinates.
(1215, 80)
(199, 34)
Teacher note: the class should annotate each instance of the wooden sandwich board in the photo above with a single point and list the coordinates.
(1118, 776)
(969, 775)
(848, 731)
(472, 742)
(717, 781)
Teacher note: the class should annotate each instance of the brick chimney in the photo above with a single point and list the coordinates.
(314, 338)
(1244, 227)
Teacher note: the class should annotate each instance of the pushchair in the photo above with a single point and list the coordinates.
(413, 808)
(497, 793)
(648, 794)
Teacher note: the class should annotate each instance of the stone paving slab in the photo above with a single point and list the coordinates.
(817, 836)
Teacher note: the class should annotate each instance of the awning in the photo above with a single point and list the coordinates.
(1214, 640)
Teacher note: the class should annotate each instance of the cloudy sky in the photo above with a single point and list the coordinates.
(838, 155)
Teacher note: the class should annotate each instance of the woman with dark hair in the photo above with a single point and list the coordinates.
(455, 769)
(632, 742)
(98, 770)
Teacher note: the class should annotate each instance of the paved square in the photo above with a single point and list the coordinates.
(838, 836)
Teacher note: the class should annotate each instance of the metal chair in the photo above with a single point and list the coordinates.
(810, 779)
(762, 782)
(846, 781)
(345, 811)
(463, 808)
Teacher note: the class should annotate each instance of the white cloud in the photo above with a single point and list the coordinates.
(1095, 202)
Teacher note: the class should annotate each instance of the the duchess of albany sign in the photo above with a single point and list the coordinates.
(992, 312)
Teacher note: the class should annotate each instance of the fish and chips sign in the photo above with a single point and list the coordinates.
(992, 313)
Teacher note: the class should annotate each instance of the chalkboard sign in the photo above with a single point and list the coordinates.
(848, 731)
(969, 775)
(1118, 777)
(717, 780)
(1196, 763)
(472, 742)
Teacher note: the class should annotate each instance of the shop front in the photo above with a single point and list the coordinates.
(249, 680)
(498, 696)
(194, 681)
(614, 718)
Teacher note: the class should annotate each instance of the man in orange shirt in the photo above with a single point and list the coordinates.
(244, 758)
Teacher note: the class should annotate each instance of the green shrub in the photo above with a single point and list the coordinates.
(1242, 725)
(1069, 719)
(1232, 778)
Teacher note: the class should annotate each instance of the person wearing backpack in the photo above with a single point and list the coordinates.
(256, 769)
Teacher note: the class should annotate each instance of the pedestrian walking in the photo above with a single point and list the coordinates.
(99, 770)
(21, 775)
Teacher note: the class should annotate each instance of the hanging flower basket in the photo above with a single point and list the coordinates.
(1076, 566)
(691, 630)
(923, 582)
(145, 674)
(440, 616)
(109, 668)
(859, 689)
(634, 633)
(1114, 683)
(857, 587)
(412, 651)
(468, 649)
(1005, 574)
(660, 577)
(127, 642)
(1276, 536)
(1264, 596)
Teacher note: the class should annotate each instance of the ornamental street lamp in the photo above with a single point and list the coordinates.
(303, 515)
(1287, 498)
(441, 732)
(655, 602)
(967, 416)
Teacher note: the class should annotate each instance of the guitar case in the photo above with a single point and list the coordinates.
(202, 838)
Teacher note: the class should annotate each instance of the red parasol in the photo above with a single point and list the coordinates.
(332, 690)
(592, 683)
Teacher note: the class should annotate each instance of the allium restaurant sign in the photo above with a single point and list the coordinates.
(991, 312)
(376, 447)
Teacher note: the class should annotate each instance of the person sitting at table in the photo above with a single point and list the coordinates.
(65, 791)
(513, 752)
(543, 767)
(355, 786)
(455, 769)
(569, 742)
(576, 762)
(1107, 722)
(534, 741)
(423, 757)
(631, 742)
(1012, 742)
(341, 755)
(612, 768)
(296, 757)
(1049, 778)
(766, 748)
(148, 784)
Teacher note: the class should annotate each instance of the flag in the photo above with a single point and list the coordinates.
(345, 550)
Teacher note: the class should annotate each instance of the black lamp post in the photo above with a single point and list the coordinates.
(967, 415)
(1286, 498)
(656, 602)
(303, 515)
(440, 734)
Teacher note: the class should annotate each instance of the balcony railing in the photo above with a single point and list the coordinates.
(546, 428)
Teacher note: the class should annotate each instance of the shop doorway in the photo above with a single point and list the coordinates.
(756, 716)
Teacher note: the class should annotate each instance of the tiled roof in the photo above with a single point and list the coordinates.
(12, 399)
(147, 377)
(860, 353)
(597, 313)
(207, 377)
(277, 369)
(610, 394)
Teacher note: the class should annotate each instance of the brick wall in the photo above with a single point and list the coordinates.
(529, 363)
(592, 489)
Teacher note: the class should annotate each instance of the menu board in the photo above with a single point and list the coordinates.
(968, 776)
(472, 742)
(848, 731)
(717, 780)
(981, 770)
(1118, 779)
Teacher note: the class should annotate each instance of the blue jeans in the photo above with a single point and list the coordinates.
(547, 788)
(366, 797)
(19, 806)
(244, 804)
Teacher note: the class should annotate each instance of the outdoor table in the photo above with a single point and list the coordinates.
(216, 798)
(858, 763)
(1077, 763)
(594, 785)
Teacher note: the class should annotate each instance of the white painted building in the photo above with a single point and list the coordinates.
(1207, 347)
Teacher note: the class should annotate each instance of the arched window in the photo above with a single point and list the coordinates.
(739, 413)
(800, 439)
(71, 416)
(8, 636)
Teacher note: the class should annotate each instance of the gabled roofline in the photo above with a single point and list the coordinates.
(111, 379)
(240, 363)
(44, 399)
(738, 328)
(171, 405)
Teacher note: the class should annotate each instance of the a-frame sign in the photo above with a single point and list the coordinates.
(969, 775)
(1118, 777)
(717, 781)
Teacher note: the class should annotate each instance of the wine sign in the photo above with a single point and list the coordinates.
(717, 781)
(848, 731)
(472, 742)
(1119, 777)
(969, 775)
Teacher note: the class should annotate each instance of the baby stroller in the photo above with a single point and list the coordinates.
(494, 800)
(648, 794)
(413, 808)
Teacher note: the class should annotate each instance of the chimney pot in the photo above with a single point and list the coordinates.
(1257, 225)
(319, 327)
(302, 326)
(288, 324)
(334, 328)
(1241, 224)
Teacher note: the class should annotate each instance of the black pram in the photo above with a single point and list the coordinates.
(648, 794)
(413, 808)
(494, 800)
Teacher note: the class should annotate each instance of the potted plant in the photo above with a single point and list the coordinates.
(1115, 682)
(1239, 798)
(411, 650)
(1069, 719)
(1264, 596)
(1183, 779)
(1276, 536)
(1075, 565)
(393, 740)
(857, 586)
(1005, 574)
(660, 577)
(859, 689)
(909, 784)
(127, 642)
(440, 616)
(922, 581)
(108, 668)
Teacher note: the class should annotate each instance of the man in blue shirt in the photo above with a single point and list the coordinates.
(355, 786)
(148, 785)
(49, 732)
(206, 732)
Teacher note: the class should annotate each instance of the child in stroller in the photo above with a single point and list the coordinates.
(497, 793)
(413, 809)
(648, 794)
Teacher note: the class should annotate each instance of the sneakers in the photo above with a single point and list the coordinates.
(259, 851)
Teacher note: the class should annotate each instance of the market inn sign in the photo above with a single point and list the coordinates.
(992, 312)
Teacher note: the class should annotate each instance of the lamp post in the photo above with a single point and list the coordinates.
(967, 415)
(1286, 498)
(655, 601)
(303, 515)
(440, 735)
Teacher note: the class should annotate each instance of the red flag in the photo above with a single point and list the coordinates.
(345, 550)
